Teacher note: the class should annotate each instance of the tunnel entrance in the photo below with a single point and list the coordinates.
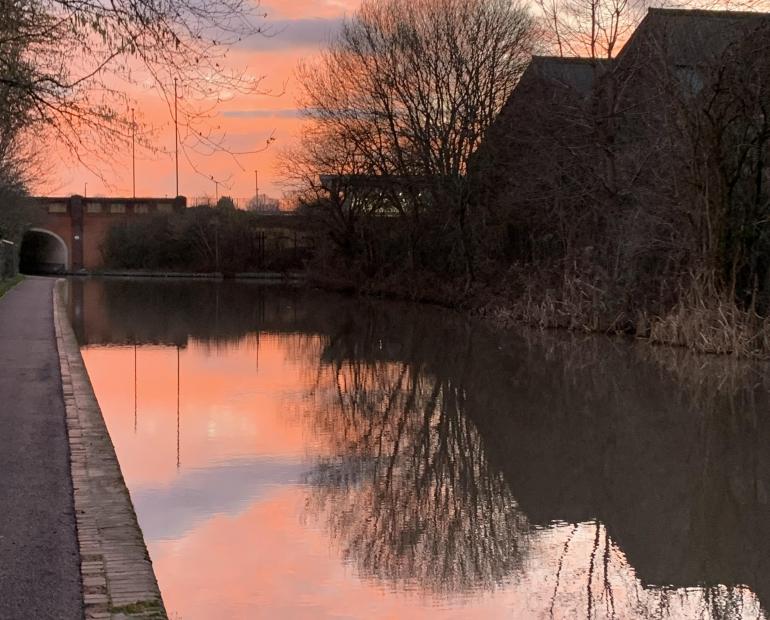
(42, 252)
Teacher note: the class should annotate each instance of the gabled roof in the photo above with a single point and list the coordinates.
(687, 38)
(691, 37)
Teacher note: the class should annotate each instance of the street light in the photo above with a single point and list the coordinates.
(176, 139)
(133, 152)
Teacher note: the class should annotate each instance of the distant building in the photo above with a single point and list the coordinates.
(584, 132)
(264, 204)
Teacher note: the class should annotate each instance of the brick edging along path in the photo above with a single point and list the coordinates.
(116, 571)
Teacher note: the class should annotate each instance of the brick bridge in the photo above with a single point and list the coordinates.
(68, 233)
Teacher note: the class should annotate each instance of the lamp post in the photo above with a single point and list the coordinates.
(176, 140)
(133, 152)
(178, 460)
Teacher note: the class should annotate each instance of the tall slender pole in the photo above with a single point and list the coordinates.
(256, 189)
(176, 140)
(133, 152)
(135, 415)
(178, 460)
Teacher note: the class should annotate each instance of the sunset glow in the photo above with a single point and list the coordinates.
(293, 31)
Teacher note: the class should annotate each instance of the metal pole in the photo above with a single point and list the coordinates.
(177, 409)
(133, 152)
(176, 140)
(256, 189)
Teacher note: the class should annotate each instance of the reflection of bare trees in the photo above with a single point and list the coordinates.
(714, 384)
(593, 580)
(717, 602)
(406, 491)
(429, 433)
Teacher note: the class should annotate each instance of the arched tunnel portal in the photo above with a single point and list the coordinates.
(43, 252)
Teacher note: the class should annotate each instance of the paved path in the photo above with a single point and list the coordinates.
(39, 564)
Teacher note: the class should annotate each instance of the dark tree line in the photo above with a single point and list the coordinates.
(206, 239)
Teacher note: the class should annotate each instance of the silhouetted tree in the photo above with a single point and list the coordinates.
(398, 104)
(65, 65)
(225, 202)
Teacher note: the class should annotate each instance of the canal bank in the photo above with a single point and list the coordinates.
(69, 540)
(116, 571)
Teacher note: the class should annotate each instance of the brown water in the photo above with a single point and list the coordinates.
(296, 454)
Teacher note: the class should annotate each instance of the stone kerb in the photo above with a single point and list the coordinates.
(116, 572)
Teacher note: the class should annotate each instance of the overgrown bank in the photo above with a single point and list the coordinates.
(626, 195)
(697, 322)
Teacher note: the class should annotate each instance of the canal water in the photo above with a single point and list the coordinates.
(298, 454)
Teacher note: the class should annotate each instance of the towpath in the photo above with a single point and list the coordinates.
(39, 562)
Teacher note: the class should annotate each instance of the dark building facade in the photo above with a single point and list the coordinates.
(651, 162)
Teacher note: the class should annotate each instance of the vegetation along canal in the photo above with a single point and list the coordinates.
(298, 454)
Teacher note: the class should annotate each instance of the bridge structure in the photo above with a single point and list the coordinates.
(68, 232)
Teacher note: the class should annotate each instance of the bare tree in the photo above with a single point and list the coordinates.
(590, 28)
(404, 96)
(600, 28)
(67, 66)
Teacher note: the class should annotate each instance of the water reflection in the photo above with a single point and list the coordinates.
(407, 493)
(364, 459)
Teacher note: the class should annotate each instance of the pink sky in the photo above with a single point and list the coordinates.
(300, 29)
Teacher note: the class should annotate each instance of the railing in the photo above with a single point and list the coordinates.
(109, 206)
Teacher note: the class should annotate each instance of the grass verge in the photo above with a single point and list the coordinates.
(7, 285)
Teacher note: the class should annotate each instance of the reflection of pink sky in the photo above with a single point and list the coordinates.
(227, 408)
(268, 58)
(269, 557)
(264, 564)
